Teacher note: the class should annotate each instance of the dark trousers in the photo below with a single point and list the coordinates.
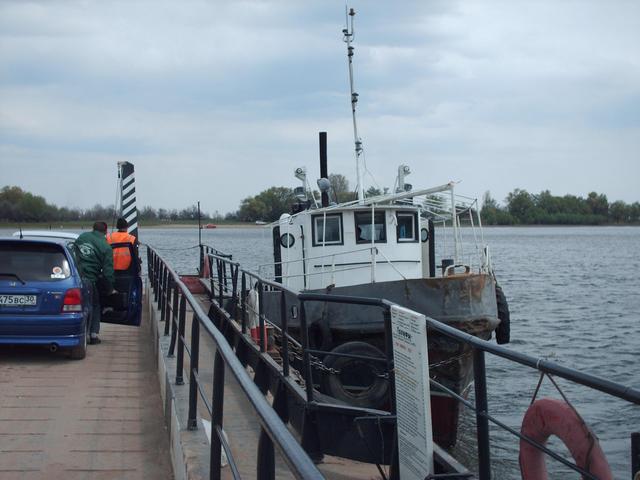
(94, 317)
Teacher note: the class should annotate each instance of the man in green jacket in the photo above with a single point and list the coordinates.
(96, 262)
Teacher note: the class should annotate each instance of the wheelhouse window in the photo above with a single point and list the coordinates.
(367, 230)
(407, 229)
(329, 233)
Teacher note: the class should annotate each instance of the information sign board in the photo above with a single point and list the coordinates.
(413, 403)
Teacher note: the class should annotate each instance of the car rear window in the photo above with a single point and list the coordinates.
(33, 262)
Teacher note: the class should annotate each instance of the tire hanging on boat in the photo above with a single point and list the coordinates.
(548, 416)
(503, 332)
(358, 382)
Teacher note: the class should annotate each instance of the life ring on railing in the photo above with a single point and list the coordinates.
(548, 416)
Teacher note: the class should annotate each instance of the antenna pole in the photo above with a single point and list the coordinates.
(348, 34)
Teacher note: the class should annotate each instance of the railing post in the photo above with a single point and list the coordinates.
(182, 317)
(482, 422)
(149, 258)
(266, 467)
(212, 292)
(174, 317)
(192, 423)
(167, 304)
(217, 415)
(386, 316)
(308, 380)
(224, 274)
(221, 265)
(161, 290)
(243, 298)
(234, 291)
(261, 329)
(165, 285)
(284, 324)
(394, 469)
(155, 279)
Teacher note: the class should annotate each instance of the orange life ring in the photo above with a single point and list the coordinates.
(548, 416)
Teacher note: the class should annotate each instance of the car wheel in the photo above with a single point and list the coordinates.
(79, 352)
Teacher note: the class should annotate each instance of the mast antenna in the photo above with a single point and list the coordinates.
(348, 36)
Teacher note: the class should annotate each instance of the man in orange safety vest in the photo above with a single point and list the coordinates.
(121, 255)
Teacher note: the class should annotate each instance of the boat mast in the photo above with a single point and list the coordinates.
(348, 34)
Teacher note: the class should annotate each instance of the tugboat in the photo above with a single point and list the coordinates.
(386, 246)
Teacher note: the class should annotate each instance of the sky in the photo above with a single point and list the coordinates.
(214, 101)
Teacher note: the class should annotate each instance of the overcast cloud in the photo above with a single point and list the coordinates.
(215, 101)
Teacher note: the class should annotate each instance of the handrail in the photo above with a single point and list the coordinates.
(294, 455)
(479, 348)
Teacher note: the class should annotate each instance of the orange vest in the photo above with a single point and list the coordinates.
(121, 255)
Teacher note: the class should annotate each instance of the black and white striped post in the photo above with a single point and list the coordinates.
(128, 208)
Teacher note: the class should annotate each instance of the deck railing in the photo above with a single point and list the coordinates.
(172, 297)
(226, 291)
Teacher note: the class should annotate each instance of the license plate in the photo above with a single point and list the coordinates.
(17, 300)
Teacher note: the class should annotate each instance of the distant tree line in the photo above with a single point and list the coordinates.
(521, 208)
(524, 208)
(17, 205)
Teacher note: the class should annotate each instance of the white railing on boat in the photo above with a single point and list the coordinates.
(374, 251)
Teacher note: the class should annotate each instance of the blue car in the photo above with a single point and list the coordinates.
(45, 301)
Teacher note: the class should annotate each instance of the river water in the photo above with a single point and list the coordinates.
(574, 295)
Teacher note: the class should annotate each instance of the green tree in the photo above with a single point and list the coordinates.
(492, 214)
(598, 204)
(634, 212)
(618, 210)
(521, 205)
(372, 192)
(340, 188)
(268, 205)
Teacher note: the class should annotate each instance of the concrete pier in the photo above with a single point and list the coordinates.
(118, 414)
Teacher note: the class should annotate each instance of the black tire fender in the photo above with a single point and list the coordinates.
(503, 332)
(375, 395)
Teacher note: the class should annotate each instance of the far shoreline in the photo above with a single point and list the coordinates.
(194, 226)
(87, 225)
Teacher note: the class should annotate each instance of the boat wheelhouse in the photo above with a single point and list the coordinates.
(387, 246)
(384, 246)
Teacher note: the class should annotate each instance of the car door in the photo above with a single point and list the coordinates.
(125, 307)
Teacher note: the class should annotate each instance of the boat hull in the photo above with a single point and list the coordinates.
(466, 302)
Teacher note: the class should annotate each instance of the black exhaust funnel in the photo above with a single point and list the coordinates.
(323, 165)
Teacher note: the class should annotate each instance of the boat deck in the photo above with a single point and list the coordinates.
(97, 418)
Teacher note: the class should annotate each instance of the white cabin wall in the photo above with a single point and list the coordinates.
(292, 269)
(425, 247)
(409, 253)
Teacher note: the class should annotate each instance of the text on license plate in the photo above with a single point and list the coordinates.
(17, 300)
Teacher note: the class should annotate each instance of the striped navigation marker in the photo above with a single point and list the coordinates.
(127, 207)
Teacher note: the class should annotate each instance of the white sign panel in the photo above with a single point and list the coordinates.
(413, 403)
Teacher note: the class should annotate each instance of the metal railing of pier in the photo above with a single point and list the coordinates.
(225, 275)
(172, 297)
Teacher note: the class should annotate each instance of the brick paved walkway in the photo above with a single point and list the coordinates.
(97, 418)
